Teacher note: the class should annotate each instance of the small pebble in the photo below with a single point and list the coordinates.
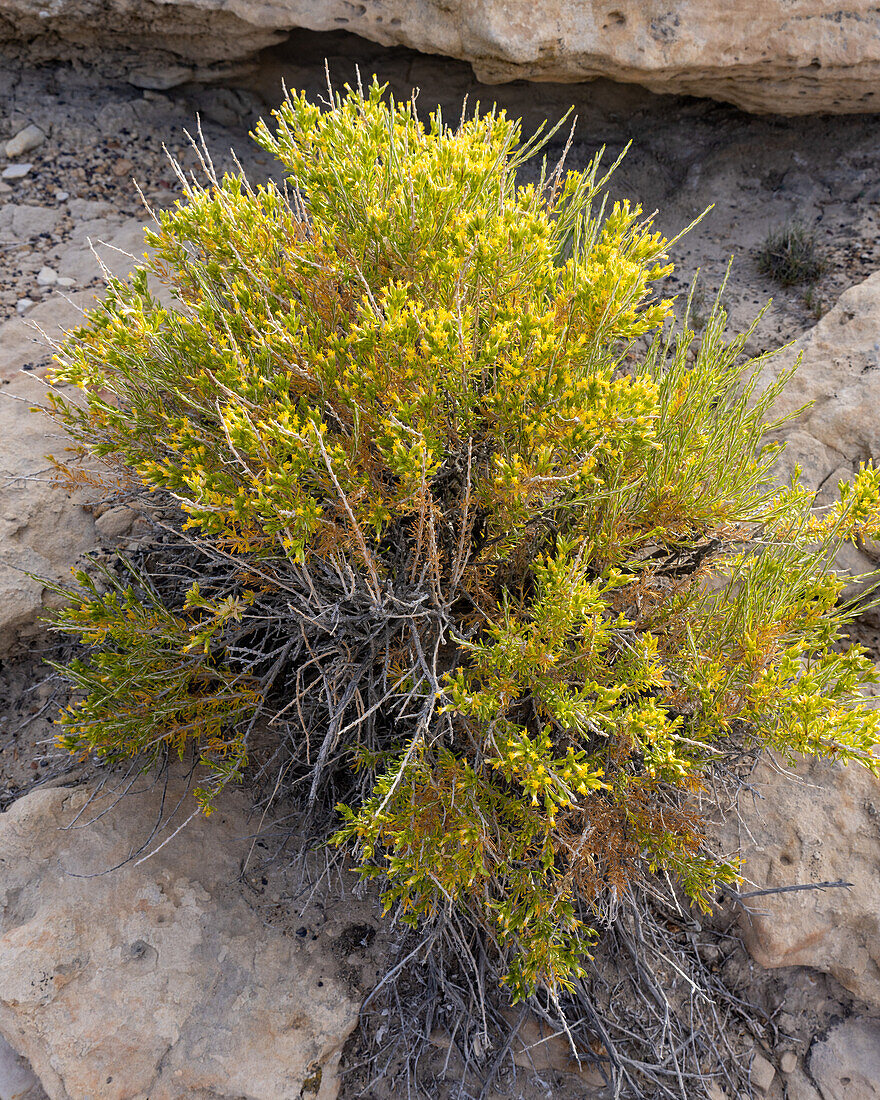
(24, 304)
(122, 167)
(65, 281)
(5, 189)
(24, 141)
(788, 1062)
(46, 276)
(62, 196)
(763, 1073)
(16, 171)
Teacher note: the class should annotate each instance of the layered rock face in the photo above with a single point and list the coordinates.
(786, 56)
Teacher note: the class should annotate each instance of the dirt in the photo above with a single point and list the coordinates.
(30, 695)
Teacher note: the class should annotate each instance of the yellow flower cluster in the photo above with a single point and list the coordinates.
(407, 369)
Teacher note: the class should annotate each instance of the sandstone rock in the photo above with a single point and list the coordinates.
(43, 527)
(538, 1048)
(794, 58)
(120, 247)
(820, 825)
(31, 137)
(788, 1062)
(157, 979)
(840, 374)
(846, 1063)
(799, 1087)
(762, 1073)
(161, 79)
(816, 461)
(161, 40)
(115, 523)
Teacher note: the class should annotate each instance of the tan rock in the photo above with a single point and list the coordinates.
(20, 222)
(116, 522)
(846, 1063)
(799, 1087)
(815, 460)
(817, 825)
(839, 378)
(25, 342)
(31, 137)
(788, 56)
(762, 1073)
(538, 1047)
(44, 528)
(840, 375)
(118, 245)
(157, 979)
(788, 1062)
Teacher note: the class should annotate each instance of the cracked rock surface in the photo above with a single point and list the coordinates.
(162, 979)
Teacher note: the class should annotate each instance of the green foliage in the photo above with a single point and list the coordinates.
(416, 375)
(792, 255)
(154, 681)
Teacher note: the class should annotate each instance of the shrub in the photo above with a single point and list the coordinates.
(450, 528)
(791, 255)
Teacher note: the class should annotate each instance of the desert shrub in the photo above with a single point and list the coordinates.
(154, 681)
(452, 530)
(791, 255)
